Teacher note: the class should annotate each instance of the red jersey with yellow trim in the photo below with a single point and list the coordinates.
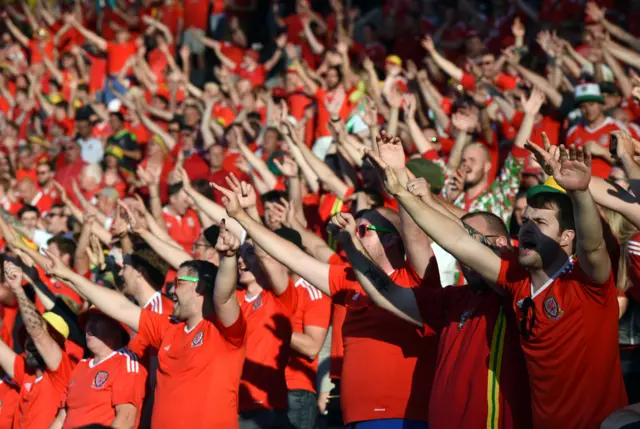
(97, 388)
(9, 397)
(39, 396)
(184, 230)
(198, 371)
(581, 134)
(383, 355)
(314, 309)
(269, 331)
(572, 353)
(481, 377)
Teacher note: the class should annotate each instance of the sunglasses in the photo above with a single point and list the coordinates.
(188, 279)
(42, 173)
(362, 229)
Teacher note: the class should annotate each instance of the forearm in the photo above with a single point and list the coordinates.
(216, 212)
(7, 359)
(447, 66)
(616, 199)
(224, 293)
(552, 94)
(259, 165)
(173, 255)
(633, 172)
(309, 175)
(455, 157)
(324, 173)
(524, 133)
(621, 77)
(305, 345)
(506, 108)
(622, 35)
(590, 248)
(392, 127)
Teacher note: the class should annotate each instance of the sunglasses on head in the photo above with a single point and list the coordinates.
(362, 229)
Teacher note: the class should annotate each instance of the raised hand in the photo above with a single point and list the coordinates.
(13, 274)
(370, 113)
(572, 170)
(465, 122)
(517, 28)
(367, 64)
(56, 268)
(229, 201)
(182, 175)
(410, 106)
(389, 178)
(419, 187)
(535, 101)
(244, 191)
(625, 144)
(428, 45)
(455, 185)
(227, 244)
(288, 167)
(119, 227)
(391, 150)
(594, 11)
(343, 227)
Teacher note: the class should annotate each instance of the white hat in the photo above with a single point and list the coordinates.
(588, 92)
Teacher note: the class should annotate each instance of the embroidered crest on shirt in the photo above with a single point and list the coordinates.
(190, 222)
(552, 308)
(198, 339)
(464, 319)
(257, 303)
(100, 380)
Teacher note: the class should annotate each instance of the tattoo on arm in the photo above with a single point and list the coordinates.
(32, 319)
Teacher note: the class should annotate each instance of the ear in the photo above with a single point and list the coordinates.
(567, 237)
(487, 167)
(502, 242)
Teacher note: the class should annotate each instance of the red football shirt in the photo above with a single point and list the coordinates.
(314, 309)
(39, 396)
(269, 331)
(581, 134)
(96, 389)
(9, 397)
(183, 229)
(572, 355)
(197, 369)
(481, 377)
(383, 355)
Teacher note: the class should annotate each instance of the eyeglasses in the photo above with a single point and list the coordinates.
(197, 245)
(189, 279)
(527, 321)
(51, 215)
(362, 229)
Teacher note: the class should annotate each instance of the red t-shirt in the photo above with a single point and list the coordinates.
(9, 397)
(196, 14)
(490, 389)
(268, 317)
(183, 229)
(581, 134)
(96, 389)
(633, 255)
(118, 54)
(39, 397)
(255, 76)
(314, 309)
(383, 355)
(547, 125)
(197, 369)
(139, 345)
(36, 55)
(171, 16)
(572, 355)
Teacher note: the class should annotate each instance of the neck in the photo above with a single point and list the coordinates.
(253, 289)
(539, 277)
(216, 169)
(102, 354)
(474, 190)
(39, 372)
(600, 119)
(390, 263)
(193, 320)
(143, 294)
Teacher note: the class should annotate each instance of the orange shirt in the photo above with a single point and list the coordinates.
(269, 331)
(39, 397)
(183, 229)
(36, 55)
(383, 355)
(198, 373)
(96, 389)
(314, 309)
(9, 397)
(158, 304)
(581, 134)
(118, 54)
(572, 355)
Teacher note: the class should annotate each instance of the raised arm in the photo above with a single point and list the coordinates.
(224, 294)
(112, 303)
(573, 173)
(35, 325)
(383, 291)
(447, 66)
(215, 45)
(553, 95)
(15, 32)
(281, 41)
(283, 251)
(92, 37)
(440, 228)
(7, 359)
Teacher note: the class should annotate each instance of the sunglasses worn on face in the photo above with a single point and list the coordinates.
(189, 279)
(362, 229)
(53, 215)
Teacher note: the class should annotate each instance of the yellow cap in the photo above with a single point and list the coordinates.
(394, 59)
(157, 139)
(551, 182)
(57, 323)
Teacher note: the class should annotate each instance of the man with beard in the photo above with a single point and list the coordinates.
(43, 373)
(560, 284)
(201, 347)
(180, 220)
(475, 326)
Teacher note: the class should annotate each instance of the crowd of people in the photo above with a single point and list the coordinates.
(398, 214)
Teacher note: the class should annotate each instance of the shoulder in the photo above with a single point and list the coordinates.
(128, 361)
(574, 130)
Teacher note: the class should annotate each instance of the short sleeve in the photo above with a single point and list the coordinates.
(431, 306)
(511, 273)
(129, 386)
(505, 82)
(235, 333)
(468, 82)
(289, 298)
(60, 377)
(600, 292)
(153, 326)
(19, 370)
(341, 278)
(318, 311)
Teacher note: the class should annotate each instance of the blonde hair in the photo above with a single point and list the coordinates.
(623, 231)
